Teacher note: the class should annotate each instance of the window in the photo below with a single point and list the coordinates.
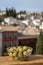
(9, 40)
(15, 35)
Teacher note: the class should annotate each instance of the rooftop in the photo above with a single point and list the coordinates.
(9, 28)
(26, 31)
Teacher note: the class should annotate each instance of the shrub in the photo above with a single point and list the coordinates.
(39, 45)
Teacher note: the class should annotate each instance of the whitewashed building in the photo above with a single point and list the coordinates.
(10, 20)
(36, 22)
(41, 26)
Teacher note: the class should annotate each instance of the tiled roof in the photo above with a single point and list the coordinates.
(9, 28)
(19, 30)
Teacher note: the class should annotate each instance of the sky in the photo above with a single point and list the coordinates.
(28, 5)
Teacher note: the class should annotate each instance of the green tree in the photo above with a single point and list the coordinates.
(1, 20)
(0, 10)
(22, 12)
(42, 14)
(7, 12)
(11, 12)
(39, 45)
(21, 18)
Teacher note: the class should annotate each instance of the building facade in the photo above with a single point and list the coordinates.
(11, 36)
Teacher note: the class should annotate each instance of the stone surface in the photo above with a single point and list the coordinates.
(33, 60)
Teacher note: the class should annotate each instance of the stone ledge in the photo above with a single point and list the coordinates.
(32, 60)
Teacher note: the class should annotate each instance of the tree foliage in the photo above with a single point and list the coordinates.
(39, 45)
(11, 12)
(42, 14)
(21, 18)
(1, 20)
(22, 12)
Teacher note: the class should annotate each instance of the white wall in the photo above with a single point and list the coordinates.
(0, 43)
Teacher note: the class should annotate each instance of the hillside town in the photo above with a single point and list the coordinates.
(33, 20)
(25, 27)
(28, 23)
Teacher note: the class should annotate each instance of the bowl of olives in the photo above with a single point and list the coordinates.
(20, 52)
